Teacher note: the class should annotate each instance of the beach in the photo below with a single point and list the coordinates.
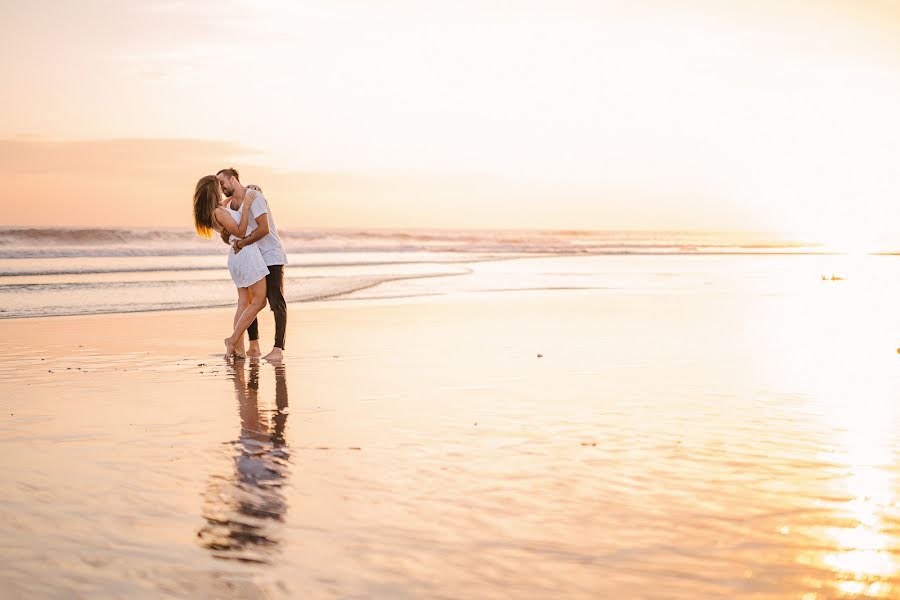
(729, 431)
(591, 300)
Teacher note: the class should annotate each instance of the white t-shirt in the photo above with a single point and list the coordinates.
(270, 246)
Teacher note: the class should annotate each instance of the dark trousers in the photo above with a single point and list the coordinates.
(275, 297)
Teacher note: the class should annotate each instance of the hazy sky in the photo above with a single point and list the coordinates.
(763, 114)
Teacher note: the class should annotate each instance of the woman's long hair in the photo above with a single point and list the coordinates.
(206, 199)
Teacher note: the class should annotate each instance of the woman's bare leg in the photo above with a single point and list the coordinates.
(243, 302)
(257, 296)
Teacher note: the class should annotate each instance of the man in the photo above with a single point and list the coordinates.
(266, 237)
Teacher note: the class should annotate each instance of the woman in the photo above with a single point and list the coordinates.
(248, 269)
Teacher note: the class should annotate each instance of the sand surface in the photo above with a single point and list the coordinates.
(661, 446)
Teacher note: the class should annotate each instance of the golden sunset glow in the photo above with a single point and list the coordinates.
(594, 115)
(531, 299)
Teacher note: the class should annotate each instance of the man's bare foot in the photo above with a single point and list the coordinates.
(254, 351)
(229, 348)
(276, 355)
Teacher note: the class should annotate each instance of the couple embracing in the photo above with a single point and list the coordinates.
(256, 259)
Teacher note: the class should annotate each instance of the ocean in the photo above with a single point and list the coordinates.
(67, 271)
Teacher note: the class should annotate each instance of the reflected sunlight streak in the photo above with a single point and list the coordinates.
(839, 361)
(863, 556)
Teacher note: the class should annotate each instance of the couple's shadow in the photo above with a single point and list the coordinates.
(244, 509)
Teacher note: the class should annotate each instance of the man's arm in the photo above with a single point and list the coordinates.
(261, 231)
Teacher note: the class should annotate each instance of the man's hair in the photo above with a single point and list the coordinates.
(229, 172)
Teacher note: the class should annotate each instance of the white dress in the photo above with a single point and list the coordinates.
(247, 266)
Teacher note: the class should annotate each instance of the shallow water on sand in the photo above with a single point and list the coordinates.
(727, 441)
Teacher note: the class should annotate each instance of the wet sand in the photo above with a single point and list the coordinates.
(661, 446)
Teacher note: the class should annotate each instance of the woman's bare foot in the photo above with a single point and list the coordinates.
(254, 352)
(276, 355)
(229, 348)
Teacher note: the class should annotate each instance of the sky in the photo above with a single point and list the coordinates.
(764, 115)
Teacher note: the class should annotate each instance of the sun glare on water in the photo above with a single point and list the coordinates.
(851, 242)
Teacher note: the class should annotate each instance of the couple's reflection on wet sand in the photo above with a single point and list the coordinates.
(244, 509)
